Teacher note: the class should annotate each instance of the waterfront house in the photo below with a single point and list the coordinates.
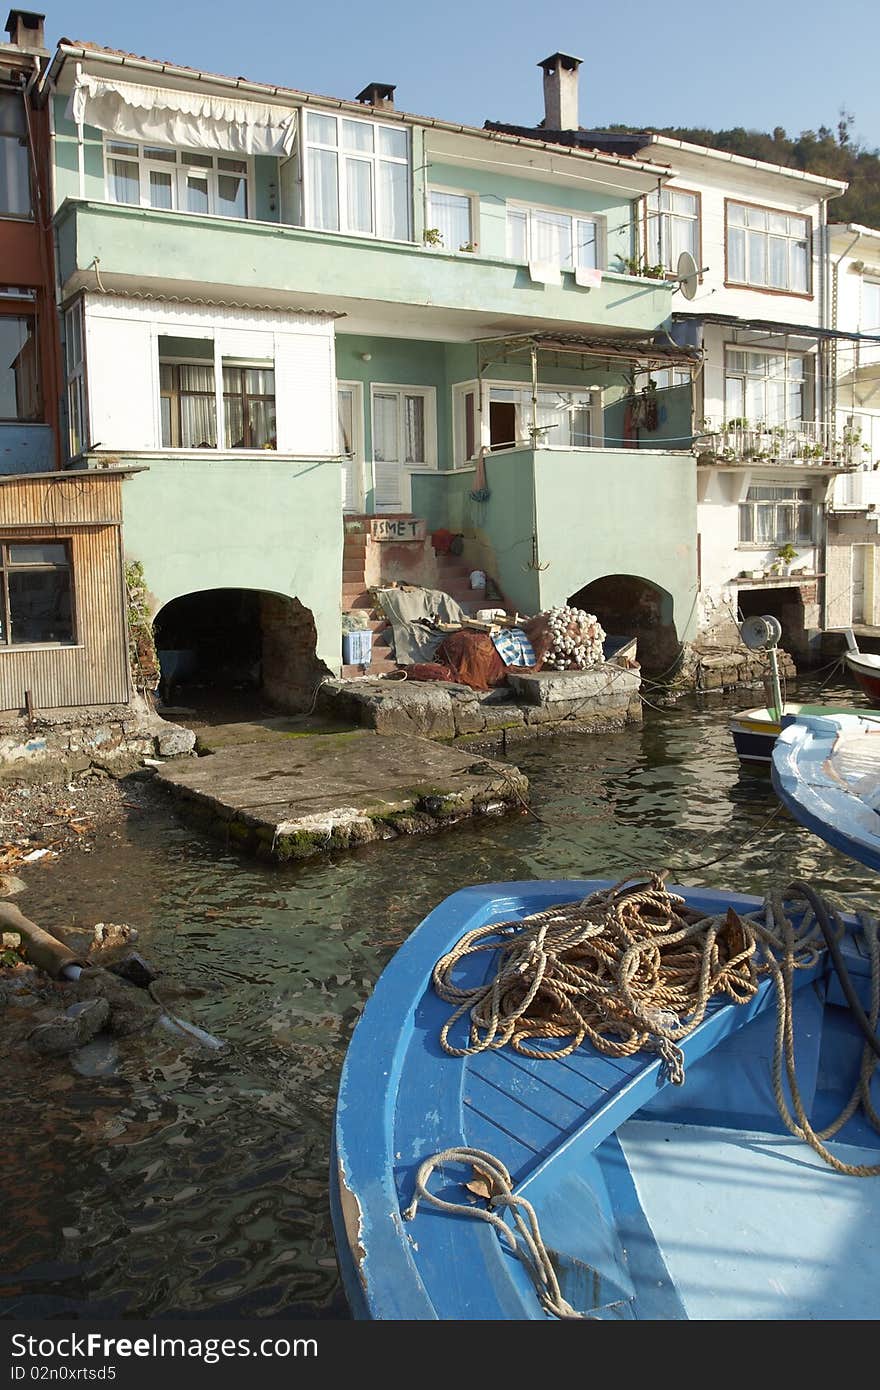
(293, 313)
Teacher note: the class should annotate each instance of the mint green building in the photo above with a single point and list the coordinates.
(282, 309)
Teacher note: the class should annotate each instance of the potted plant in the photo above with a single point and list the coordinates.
(787, 555)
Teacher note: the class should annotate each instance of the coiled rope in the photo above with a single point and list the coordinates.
(633, 968)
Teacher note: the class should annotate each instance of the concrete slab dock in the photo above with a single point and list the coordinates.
(287, 798)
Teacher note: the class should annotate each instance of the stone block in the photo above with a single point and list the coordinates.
(553, 687)
(174, 741)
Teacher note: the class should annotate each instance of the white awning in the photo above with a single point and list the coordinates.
(191, 120)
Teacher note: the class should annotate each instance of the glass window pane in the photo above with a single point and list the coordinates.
(551, 239)
(124, 181)
(757, 259)
(734, 398)
(233, 166)
(754, 400)
(323, 190)
(776, 402)
(684, 202)
(359, 195)
(779, 223)
(197, 193)
(756, 217)
(198, 422)
(194, 378)
(394, 143)
(357, 135)
(393, 201)
(798, 226)
(797, 367)
(804, 523)
(778, 262)
(20, 397)
(736, 255)
(587, 255)
(15, 192)
(122, 147)
(799, 267)
(414, 429)
(870, 316)
(385, 447)
(654, 251)
(159, 152)
(261, 421)
(40, 553)
(259, 381)
(746, 523)
(736, 215)
(198, 161)
(231, 195)
(233, 415)
(161, 189)
(321, 129)
(39, 606)
(736, 361)
(517, 235)
(450, 213)
(765, 523)
(165, 411)
(785, 524)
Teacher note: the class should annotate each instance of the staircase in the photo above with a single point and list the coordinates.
(453, 579)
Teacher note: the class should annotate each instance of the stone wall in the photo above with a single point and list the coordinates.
(68, 741)
(291, 669)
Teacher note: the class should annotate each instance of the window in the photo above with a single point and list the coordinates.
(776, 515)
(249, 405)
(465, 422)
(565, 417)
(765, 388)
(15, 187)
(403, 426)
(156, 176)
(188, 398)
(663, 379)
(767, 249)
(20, 396)
(673, 226)
(76, 395)
(537, 234)
(452, 216)
(870, 317)
(37, 593)
(357, 177)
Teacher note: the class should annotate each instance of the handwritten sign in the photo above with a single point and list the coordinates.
(393, 528)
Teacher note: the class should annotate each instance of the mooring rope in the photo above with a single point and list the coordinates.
(633, 968)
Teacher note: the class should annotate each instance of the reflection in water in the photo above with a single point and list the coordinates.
(193, 1182)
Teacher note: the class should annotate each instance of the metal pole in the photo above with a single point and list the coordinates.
(534, 357)
(775, 686)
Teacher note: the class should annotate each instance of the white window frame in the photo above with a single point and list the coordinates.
(429, 396)
(751, 215)
(307, 144)
(218, 361)
(74, 364)
(460, 391)
(523, 405)
(790, 499)
(664, 378)
(473, 201)
(807, 387)
(532, 210)
(869, 322)
(179, 168)
(661, 217)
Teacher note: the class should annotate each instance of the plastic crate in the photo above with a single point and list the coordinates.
(357, 647)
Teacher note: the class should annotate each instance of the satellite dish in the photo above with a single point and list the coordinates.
(687, 274)
(759, 633)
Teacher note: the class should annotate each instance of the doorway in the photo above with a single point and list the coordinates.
(863, 584)
(502, 424)
(350, 411)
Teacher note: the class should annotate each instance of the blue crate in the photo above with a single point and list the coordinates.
(357, 647)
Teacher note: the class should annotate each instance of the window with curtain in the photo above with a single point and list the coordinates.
(768, 249)
(357, 177)
(37, 593)
(539, 234)
(157, 176)
(20, 395)
(249, 405)
(777, 515)
(187, 391)
(673, 226)
(15, 184)
(564, 416)
(765, 388)
(404, 426)
(451, 214)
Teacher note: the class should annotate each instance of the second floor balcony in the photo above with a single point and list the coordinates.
(790, 443)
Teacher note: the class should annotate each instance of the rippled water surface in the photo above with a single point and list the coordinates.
(192, 1182)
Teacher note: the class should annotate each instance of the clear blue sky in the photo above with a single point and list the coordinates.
(755, 63)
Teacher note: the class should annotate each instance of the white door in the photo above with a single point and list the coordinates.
(404, 437)
(862, 583)
(349, 397)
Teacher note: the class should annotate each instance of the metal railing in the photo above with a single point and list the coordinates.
(794, 442)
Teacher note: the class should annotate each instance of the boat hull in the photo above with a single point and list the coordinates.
(866, 673)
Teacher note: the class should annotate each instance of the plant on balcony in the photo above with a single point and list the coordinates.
(638, 265)
(432, 236)
(786, 555)
(468, 246)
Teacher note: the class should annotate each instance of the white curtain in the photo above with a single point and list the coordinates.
(451, 215)
(359, 194)
(414, 429)
(191, 120)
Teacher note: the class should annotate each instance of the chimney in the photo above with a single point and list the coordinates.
(378, 94)
(25, 30)
(560, 91)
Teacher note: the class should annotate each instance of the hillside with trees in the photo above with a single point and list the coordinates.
(836, 154)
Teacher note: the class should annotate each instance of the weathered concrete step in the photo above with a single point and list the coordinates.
(375, 668)
(288, 798)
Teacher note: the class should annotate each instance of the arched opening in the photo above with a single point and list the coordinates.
(628, 606)
(237, 653)
(787, 605)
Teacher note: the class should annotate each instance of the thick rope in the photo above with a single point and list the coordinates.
(525, 1242)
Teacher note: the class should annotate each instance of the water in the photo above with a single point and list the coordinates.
(195, 1183)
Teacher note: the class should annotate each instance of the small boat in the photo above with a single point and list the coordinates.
(755, 731)
(826, 771)
(504, 1181)
(865, 666)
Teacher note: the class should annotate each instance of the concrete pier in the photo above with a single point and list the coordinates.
(290, 797)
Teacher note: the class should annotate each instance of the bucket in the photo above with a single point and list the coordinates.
(478, 579)
(357, 647)
(490, 615)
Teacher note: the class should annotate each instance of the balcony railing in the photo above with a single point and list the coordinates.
(797, 442)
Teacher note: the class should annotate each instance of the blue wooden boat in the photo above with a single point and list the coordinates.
(826, 771)
(654, 1200)
(755, 731)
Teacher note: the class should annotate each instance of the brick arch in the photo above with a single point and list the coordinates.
(629, 606)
